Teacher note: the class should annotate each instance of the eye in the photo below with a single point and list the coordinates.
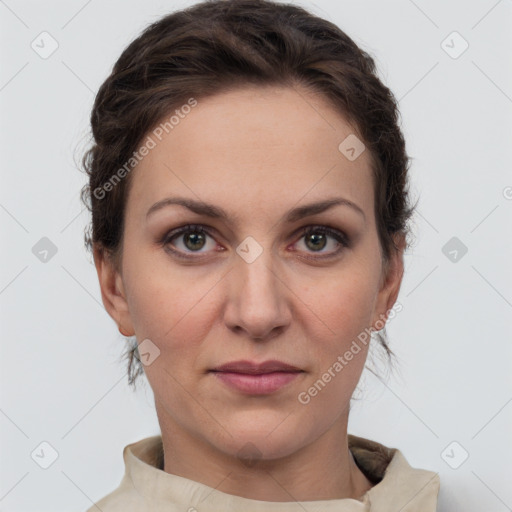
(316, 238)
(183, 242)
(189, 239)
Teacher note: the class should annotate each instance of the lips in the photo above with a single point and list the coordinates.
(256, 378)
(251, 368)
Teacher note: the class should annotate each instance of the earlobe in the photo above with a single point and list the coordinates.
(123, 332)
(112, 291)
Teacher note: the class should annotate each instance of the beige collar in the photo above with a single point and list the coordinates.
(145, 486)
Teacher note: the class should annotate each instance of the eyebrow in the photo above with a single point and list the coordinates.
(210, 210)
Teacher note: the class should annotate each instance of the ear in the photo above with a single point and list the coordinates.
(391, 281)
(112, 290)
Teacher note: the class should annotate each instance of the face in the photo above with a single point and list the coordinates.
(260, 274)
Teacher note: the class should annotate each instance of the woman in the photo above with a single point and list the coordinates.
(248, 189)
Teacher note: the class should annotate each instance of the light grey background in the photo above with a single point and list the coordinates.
(62, 381)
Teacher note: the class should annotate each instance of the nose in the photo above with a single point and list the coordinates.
(258, 301)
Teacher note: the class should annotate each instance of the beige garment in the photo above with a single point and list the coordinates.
(145, 487)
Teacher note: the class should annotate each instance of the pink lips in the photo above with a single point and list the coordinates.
(256, 378)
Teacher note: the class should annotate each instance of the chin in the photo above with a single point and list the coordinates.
(263, 436)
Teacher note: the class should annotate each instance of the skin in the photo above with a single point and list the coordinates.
(256, 153)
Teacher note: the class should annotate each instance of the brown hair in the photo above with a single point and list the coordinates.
(216, 45)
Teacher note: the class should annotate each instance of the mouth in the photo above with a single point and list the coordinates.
(256, 378)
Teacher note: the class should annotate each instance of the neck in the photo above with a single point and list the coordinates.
(323, 470)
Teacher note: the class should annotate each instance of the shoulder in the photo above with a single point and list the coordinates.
(396, 481)
(122, 499)
(141, 459)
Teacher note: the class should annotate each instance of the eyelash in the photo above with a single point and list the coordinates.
(339, 236)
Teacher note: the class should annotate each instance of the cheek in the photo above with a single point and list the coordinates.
(347, 301)
(176, 317)
(158, 293)
(340, 352)
(345, 305)
(169, 307)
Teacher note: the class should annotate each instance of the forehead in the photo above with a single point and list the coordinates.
(253, 147)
